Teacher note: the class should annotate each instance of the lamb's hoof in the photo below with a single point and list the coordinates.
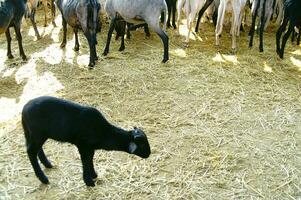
(105, 53)
(10, 56)
(48, 165)
(91, 65)
(94, 176)
(54, 24)
(90, 183)
(186, 44)
(63, 45)
(250, 46)
(45, 25)
(38, 37)
(44, 180)
(260, 50)
(76, 48)
(174, 26)
(165, 60)
(24, 58)
(121, 48)
(234, 51)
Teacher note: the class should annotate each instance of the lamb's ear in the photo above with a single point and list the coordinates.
(132, 147)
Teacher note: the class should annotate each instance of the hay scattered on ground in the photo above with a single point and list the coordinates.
(221, 126)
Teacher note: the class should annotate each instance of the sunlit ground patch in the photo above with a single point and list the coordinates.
(83, 60)
(179, 53)
(26, 71)
(184, 31)
(53, 54)
(3, 59)
(296, 62)
(267, 68)
(296, 52)
(225, 58)
(8, 108)
(46, 84)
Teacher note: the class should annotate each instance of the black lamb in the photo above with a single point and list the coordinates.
(85, 127)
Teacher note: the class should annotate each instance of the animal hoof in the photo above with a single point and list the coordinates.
(24, 57)
(38, 37)
(91, 65)
(260, 50)
(44, 180)
(76, 48)
(234, 51)
(63, 45)
(121, 48)
(54, 24)
(90, 183)
(10, 56)
(164, 60)
(105, 53)
(94, 176)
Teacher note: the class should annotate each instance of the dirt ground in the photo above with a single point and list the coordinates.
(220, 126)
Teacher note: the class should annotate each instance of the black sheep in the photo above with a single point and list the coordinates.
(85, 127)
(11, 14)
(81, 14)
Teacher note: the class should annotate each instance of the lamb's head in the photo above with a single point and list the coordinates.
(139, 144)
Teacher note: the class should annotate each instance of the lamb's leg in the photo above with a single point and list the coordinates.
(64, 23)
(122, 25)
(252, 28)
(53, 13)
(169, 13)
(76, 46)
(156, 27)
(180, 4)
(92, 46)
(88, 169)
(279, 33)
(285, 38)
(45, 12)
(298, 38)
(32, 19)
(262, 24)
(32, 151)
(44, 159)
(111, 29)
(19, 38)
(8, 39)
(220, 21)
(204, 8)
(146, 30)
(174, 15)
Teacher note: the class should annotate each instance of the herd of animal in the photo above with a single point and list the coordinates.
(128, 15)
(85, 127)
